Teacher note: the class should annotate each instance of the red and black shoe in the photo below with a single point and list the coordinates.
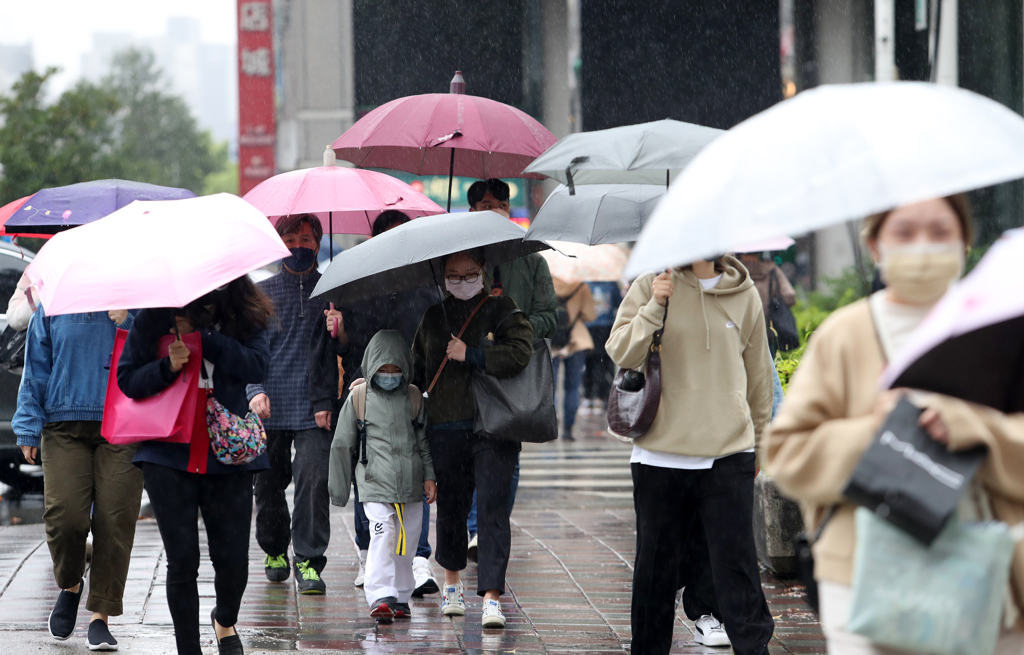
(383, 610)
(403, 611)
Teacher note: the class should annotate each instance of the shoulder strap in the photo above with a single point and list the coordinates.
(774, 290)
(359, 401)
(417, 399)
(459, 336)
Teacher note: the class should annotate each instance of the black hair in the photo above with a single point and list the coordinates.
(479, 189)
(478, 255)
(387, 220)
(292, 224)
(240, 308)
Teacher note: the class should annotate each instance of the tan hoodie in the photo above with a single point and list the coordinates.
(827, 423)
(716, 393)
(581, 311)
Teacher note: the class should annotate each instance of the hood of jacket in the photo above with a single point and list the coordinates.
(735, 277)
(387, 347)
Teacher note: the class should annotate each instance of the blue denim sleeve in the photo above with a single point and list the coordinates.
(31, 413)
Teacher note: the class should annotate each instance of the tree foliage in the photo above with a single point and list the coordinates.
(128, 127)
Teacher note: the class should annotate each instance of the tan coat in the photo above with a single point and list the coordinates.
(716, 396)
(827, 423)
(581, 310)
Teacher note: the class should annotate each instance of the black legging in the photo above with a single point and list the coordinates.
(226, 504)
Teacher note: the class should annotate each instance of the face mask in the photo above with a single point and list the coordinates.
(301, 259)
(921, 273)
(465, 290)
(387, 381)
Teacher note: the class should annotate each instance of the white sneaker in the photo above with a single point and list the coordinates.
(471, 550)
(586, 408)
(362, 569)
(708, 631)
(453, 601)
(493, 618)
(679, 598)
(423, 575)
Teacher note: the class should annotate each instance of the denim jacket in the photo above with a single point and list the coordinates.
(65, 375)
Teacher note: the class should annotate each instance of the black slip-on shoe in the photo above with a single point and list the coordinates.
(231, 645)
(64, 615)
(100, 637)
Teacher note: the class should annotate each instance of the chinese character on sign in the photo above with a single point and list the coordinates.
(255, 16)
(256, 62)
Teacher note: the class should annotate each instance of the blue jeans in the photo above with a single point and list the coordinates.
(362, 525)
(574, 365)
(777, 393)
(471, 521)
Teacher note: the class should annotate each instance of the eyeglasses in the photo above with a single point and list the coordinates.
(459, 279)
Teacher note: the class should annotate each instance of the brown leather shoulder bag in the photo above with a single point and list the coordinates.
(634, 398)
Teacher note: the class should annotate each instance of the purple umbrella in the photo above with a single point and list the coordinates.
(54, 210)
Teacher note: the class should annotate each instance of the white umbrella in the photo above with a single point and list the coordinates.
(834, 153)
(597, 213)
(646, 153)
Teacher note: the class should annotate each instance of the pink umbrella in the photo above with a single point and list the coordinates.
(420, 134)
(578, 262)
(971, 345)
(163, 253)
(346, 200)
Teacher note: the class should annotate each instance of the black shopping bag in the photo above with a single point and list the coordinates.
(908, 478)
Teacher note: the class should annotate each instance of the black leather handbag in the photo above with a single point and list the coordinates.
(12, 349)
(782, 332)
(634, 399)
(519, 408)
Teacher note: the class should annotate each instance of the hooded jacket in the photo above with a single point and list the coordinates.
(716, 377)
(398, 455)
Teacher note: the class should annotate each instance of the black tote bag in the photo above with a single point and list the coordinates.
(519, 408)
(909, 479)
(782, 330)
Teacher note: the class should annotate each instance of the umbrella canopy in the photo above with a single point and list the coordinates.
(8, 210)
(768, 245)
(575, 262)
(971, 345)
(648, 153)
(154, 254)
(346, 200)
(61, 208)
(421, 134)
(409, 256)
(597, 213)
(834, 153)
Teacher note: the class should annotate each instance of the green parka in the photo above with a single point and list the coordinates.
(398, 455)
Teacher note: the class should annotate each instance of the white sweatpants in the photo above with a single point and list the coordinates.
(836, 600)
(388, 574)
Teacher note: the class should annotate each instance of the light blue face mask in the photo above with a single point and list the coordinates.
(387, 381)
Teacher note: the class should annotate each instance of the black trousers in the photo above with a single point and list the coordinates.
(666, 502)
(598, 374)
(226, 504)
(309, 528)
(695, 577)
(464, 462)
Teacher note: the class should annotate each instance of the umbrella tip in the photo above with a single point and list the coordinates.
(329, 158)
(458, 83)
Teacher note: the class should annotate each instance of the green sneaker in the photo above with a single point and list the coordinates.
(308, 579)
(276, 567)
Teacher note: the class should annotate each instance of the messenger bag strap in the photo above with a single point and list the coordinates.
(445, 361)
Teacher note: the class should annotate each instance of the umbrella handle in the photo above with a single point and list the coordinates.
(334, 325)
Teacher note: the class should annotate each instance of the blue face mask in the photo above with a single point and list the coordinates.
(301, 259)
(387, 381)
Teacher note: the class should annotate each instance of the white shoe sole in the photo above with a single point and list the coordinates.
(51, 631)
(453, 610)
(493, 622)
(712, 640)
(104, 646)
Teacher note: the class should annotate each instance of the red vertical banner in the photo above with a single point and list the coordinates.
(257, 124)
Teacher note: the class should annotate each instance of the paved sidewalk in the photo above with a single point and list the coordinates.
(569, 578)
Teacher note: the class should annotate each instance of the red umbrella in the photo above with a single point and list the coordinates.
(8, 210)
(420, 135)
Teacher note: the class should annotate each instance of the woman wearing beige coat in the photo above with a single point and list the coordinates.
(833, 407)
(579, 304)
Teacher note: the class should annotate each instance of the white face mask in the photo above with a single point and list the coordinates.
(465, 290)
(921, 273)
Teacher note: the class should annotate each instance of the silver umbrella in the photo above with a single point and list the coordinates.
(598, 213)
(648, 153)
(409, 256)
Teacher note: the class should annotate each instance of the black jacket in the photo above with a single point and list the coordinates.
(236, 363)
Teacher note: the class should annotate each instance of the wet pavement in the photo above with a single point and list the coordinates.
(573, 544)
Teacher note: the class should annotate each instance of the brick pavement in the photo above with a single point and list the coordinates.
(569, 581)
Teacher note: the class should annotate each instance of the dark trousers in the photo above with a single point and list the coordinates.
(695, 578)
(309, 529)
(362, 525)
(574, 365)
(464, 462)
(599, 371)
(666, 502)
(226, 505)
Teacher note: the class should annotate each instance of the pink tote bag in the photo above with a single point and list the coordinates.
(167, 416)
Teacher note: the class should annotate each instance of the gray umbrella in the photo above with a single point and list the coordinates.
(409, 256)
(648, 153)
(598, 213)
